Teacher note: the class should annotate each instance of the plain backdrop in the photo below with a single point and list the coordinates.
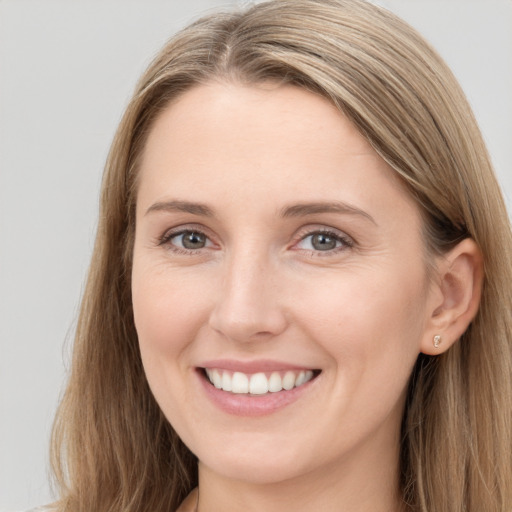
(66, 72)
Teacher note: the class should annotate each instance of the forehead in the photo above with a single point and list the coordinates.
(282, 142)
(255, 114)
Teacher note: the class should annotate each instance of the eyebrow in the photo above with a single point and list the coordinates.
(181, 206)
(296, 210)
(304, 209)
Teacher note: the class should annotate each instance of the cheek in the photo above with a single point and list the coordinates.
(353, 303)
(370, 323)
(168, 314)
(167, 309)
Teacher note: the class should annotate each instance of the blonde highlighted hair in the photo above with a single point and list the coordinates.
(113, 450)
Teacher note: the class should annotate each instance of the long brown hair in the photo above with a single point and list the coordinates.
(113, 450)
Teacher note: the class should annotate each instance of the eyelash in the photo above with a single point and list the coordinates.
(345, 241)
(166, 238)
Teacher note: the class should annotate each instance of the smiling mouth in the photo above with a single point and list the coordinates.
(260, 383)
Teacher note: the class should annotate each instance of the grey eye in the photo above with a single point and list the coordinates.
(190, 240)
(324, 242)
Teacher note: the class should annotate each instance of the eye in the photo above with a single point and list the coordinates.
(324, 241)
(189, 240)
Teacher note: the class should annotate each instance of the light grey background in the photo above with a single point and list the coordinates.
(66, 73)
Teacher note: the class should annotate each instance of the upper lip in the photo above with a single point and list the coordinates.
(255, 366)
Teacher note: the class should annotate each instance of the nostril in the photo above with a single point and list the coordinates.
(246, 309)
(248, 329)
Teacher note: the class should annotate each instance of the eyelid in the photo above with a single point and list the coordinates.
(346, 240)
(170, 233)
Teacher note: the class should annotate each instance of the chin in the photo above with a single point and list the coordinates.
(276, 462)
(246, 470)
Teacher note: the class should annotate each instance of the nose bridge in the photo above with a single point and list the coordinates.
(248, 305)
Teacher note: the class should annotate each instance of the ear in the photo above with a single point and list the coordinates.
(454, 298)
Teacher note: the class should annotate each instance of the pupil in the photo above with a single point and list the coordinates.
(323, 242)
(193, 240)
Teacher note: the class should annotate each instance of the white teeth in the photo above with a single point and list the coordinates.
(257, 383)
(239, 383)
(217, 379)
(275, 382)
(289, 380)
(226, 382)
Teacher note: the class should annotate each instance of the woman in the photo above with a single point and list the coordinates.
(300, 293)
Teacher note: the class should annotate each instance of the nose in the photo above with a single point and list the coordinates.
(249, 304)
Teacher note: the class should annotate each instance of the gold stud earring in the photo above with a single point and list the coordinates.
(437, 341)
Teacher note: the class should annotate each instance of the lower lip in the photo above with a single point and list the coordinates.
(252, 405)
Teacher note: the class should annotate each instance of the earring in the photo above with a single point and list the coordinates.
(437, 341)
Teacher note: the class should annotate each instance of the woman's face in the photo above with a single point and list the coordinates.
(274, 248)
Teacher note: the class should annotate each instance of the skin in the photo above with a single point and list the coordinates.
(258, 289)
